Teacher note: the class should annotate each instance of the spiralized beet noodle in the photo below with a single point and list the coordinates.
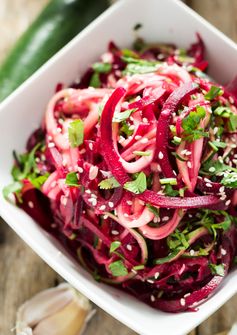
(134, 169)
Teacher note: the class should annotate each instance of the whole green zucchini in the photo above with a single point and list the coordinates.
(58, 23)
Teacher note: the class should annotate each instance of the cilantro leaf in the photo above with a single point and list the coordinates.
(118, 269)
(125, 129)
(170, 192)
(190, 125)
(138, 185)
(213, 93)
(76, 133)
(102, 67)
(230, 180)
(119, 117)
(114, 246)
(71, 179)
(109, 183)
(37, 182)
(141, 66)
(95, 80)
(217, 269)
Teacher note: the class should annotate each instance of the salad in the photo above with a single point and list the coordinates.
(134, 170)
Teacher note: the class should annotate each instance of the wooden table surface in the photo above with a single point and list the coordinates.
(22, 272)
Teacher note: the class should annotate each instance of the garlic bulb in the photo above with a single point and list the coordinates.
(57, 311)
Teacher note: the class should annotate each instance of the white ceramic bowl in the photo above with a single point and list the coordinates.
(163, 21)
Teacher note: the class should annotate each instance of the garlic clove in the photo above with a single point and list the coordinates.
(57, 311)
(44, 303)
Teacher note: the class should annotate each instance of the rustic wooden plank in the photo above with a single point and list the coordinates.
(220, 13)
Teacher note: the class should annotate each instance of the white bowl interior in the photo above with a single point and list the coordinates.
(163, 21)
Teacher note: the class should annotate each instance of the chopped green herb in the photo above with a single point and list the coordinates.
(179, 157)
(137, 26)
(109, 183)
(95, 80)
(138, 267)
(217, 269)
(71, 179)
(11, 188)
(139, 66)
(224, 112)
(233, 122)
(142, 153)
(118, 269)
(230, 180)
(170, 192)
(176, 140)
(153, 209)
(114, 246)
(168, 258)
(102, 67)
(37, 182)
(213, 93)
(138, 185)
(170, 181)
(190, 125)
(125, 129)
(119, 117)
(76, 133)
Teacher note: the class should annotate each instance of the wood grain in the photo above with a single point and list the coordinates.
(23, 273)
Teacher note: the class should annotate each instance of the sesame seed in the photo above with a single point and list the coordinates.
(51, 145)
(105, 217)
(88, 191)
(114, 232)
(93, 172)
(192, 252)
(208, 185)
(165, 218)
(138, 137)
(111, 204)
(228, 202)
(160, 156)
(30, 204)
(60, 121)
(91, 146)
(222, 189)
(223, 197)
(80, 169)
(94, 202)
(231, 100)
(153, 298)
(43, 158)
(183, 152)
(145, 120)
(144, 140)
(129, 247)
(206, 180)
(134, 271)
(59, 130)
(126, 215)
(150, 281)
(212, 169)
(182, 302)
(215, 130)
(187, 295)
(132, 127)
(102, 208)
(223, 252)
(37, 160)
(121, 139)
(155, 220)
(156, 275)
(189, 164)
(129, 202)
(94, 196)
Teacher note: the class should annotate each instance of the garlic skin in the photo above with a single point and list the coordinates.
(57, 311)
